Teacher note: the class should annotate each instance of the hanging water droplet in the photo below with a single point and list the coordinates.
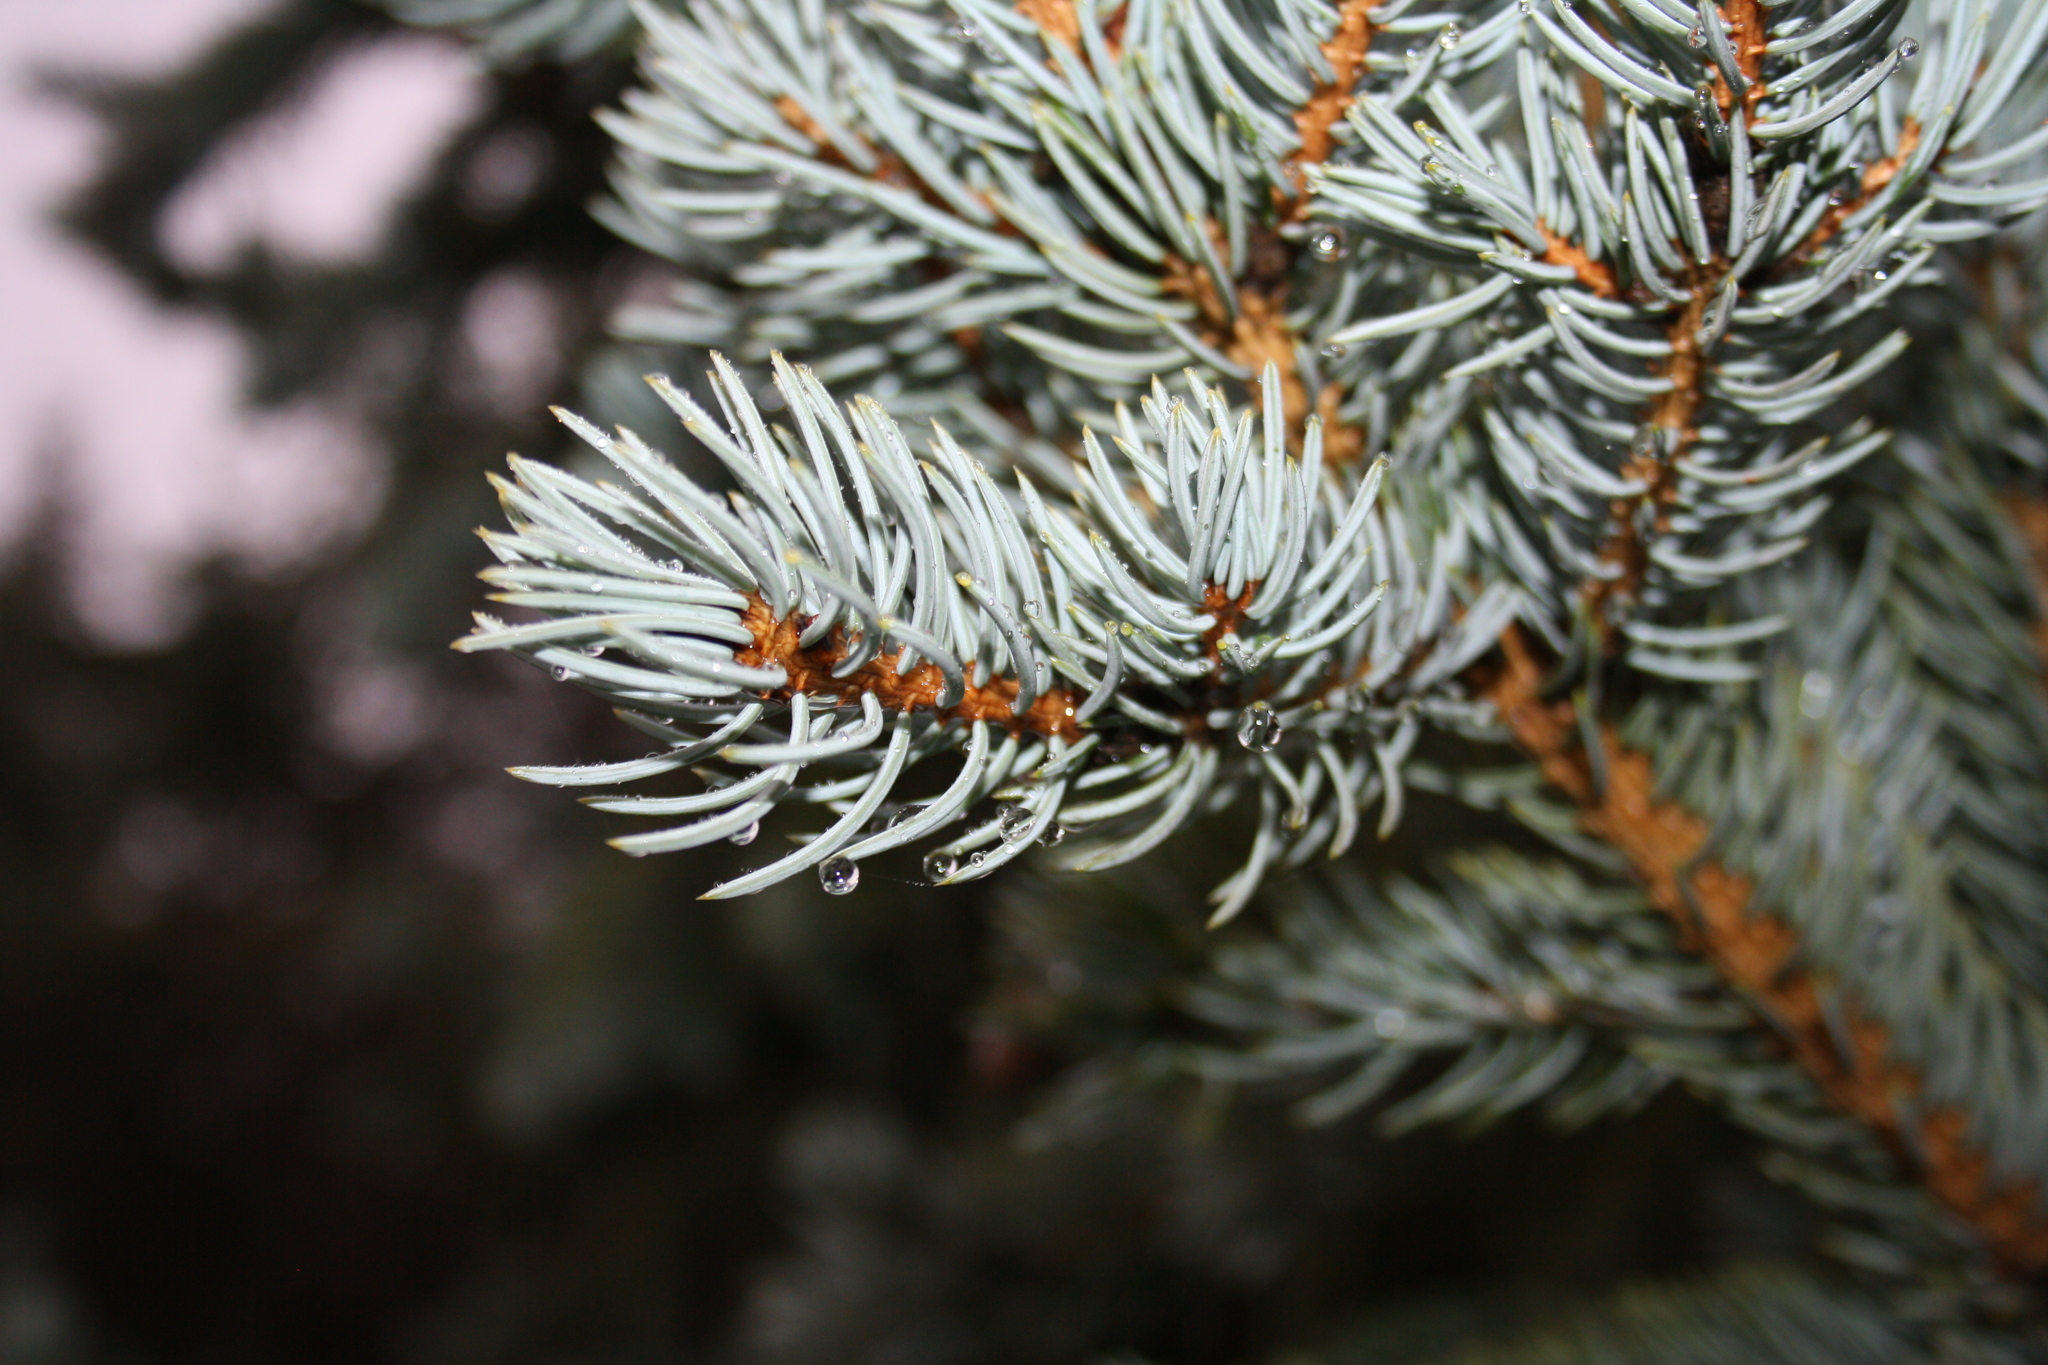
(1450, 37)
(1697, 38)
(939, 866)
(561, 672)
(1258, 729)
(838, 875)
(595, 651)
(746, 836)
(1333, 350)
(781, 178)
(582, 549)
(1014, 822)
(596, 585)
(1329, 244)
(965, 33)
(1815, 691)
(1909, 48)
(905, 813)
(1525, 6)
(1054, 832)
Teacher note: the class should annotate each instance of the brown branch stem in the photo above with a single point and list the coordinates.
(1051, 713)
(1757, 954)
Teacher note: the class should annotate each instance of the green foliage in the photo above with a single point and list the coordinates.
(1575, 320)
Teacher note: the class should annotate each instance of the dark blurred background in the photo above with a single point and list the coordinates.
(323, 1040)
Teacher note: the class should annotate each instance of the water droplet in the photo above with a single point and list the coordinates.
(1525, 6)
(1054, 832)
(1815, 690)
(1334, 350)
(1909, 48)
(905, 813)
(965, 33)
(746, 836)
(1390, 1022)
(939, 866)
(1440, 176)
(1015, 822)
(838, 875)
(1258, 729)
(1880, 276)
(1329, 244)
(781, 178)
(582, 549)
(1697, 38)
(561, 672)
(1449, 38)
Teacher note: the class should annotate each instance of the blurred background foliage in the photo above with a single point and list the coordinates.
(322, 1040)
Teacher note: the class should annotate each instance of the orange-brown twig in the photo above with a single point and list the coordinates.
(1598, 276)
(1876, 176)
(810, 672)
(1345, 52)
(1057, 19)
(1756, 954)
(1745, 23)
(1255, 331)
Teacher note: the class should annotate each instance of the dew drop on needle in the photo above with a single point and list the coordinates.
(838, 875)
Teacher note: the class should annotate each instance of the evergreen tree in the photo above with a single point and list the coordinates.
(1572, 464)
